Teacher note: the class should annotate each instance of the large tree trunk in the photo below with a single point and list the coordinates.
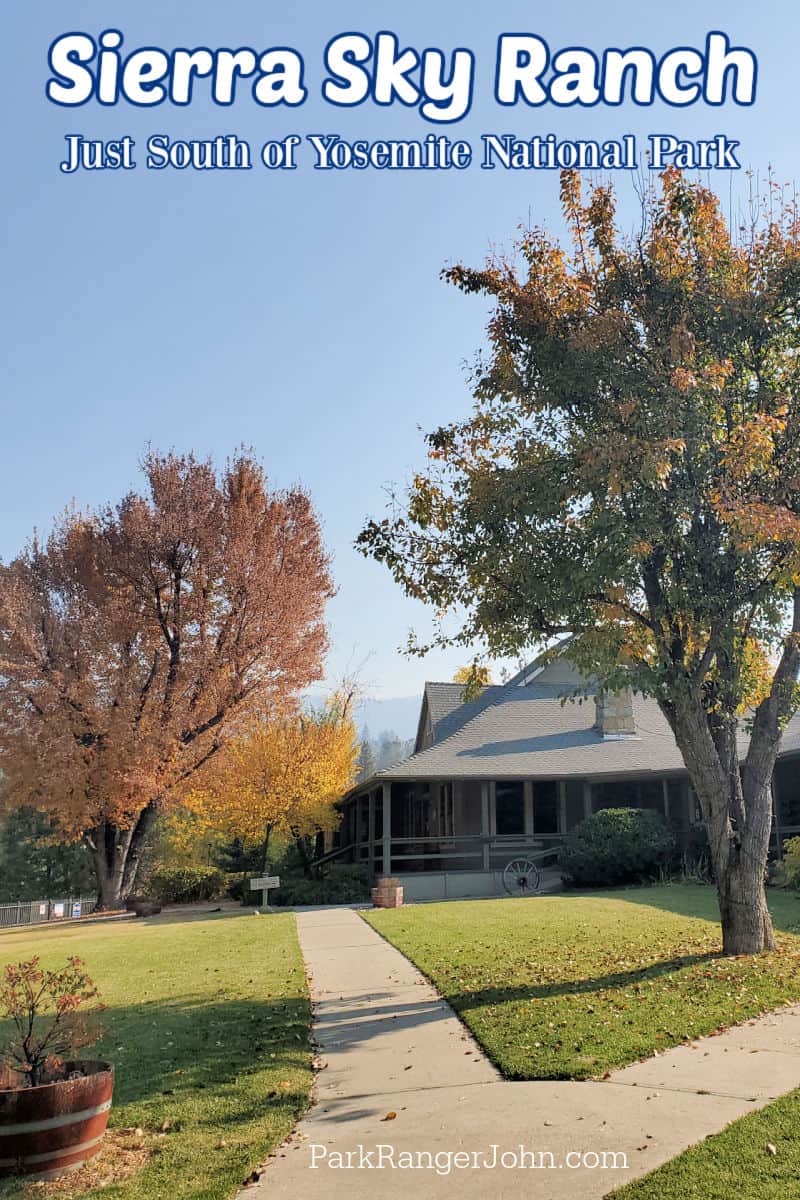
(141, 832)
(737, 812)
(746, 923)
(109, 863)
(116, 853)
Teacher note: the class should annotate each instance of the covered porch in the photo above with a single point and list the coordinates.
(454, 837)
(786, 798)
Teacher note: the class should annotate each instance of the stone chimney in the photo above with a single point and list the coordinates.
(614, 714)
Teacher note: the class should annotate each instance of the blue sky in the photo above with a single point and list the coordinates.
(297, 312)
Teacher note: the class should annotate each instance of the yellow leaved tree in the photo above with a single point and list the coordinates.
(281, 775)
(475, 678)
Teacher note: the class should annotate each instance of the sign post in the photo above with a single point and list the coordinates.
(263, 885)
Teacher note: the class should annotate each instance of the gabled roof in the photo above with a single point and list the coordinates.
(544, 730)
(535, 732)
(445, 706)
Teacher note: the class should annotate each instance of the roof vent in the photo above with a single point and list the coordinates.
(614, 715)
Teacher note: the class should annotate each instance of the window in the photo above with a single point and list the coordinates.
(679, 813)
(510, 808)
(545, 807)
(363, 819)
(575, 805)
(402, 794)
(615, 795)
(651, 795)
(787, 793)
(468, 808)
(446, 809)
(421, 811)
(347, 823)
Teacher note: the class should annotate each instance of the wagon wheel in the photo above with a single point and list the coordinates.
(521, 877)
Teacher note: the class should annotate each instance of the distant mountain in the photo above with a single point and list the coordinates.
(399, 714)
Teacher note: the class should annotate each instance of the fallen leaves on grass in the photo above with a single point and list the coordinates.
(575, 986)
(123, 1155)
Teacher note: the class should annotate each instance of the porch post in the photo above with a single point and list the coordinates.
(485, 824)
(562, 806)
(587, 798)
(665, 794)
(527, 792)
(386, 799)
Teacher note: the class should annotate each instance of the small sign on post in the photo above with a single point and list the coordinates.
(263, 885)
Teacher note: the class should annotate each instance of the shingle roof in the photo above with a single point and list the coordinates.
(533, 732)
(790, 742)
(443, 698)
(447, 709)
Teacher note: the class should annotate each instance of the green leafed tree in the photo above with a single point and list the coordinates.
(630, 475)
(35, 863)
(366, 757)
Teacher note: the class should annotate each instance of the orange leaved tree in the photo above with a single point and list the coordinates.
(134, 636)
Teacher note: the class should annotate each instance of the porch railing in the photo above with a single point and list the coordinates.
(468, 852)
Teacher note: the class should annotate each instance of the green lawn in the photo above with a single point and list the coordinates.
(719, 1167)
(208, 1027)
(571, 986)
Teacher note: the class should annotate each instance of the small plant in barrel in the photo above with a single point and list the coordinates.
(50, 1014)
(53, 1106)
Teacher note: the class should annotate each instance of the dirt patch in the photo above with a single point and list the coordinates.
(124, 1153)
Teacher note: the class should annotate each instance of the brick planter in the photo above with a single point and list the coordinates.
(388, 894)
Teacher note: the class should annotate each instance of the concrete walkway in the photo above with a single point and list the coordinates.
(389, 1044)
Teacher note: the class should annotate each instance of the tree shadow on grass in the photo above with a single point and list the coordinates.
(214, 1084)
(198, 1060)
(184, 916)
(481, 997)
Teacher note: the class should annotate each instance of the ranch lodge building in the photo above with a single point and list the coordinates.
(509, 773)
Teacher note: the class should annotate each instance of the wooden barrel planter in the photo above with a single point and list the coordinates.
(48, 1131)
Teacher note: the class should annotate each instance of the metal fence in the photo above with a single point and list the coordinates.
(39, 912)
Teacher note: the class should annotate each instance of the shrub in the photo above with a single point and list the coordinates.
(43, 1008)
(616, 845)
(185, 885)
(342, 885)
(787, 871)
(237, 887)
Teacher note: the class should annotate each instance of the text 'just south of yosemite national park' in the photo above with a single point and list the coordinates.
(330, 152)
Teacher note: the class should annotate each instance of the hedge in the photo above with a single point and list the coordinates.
(616, 845)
